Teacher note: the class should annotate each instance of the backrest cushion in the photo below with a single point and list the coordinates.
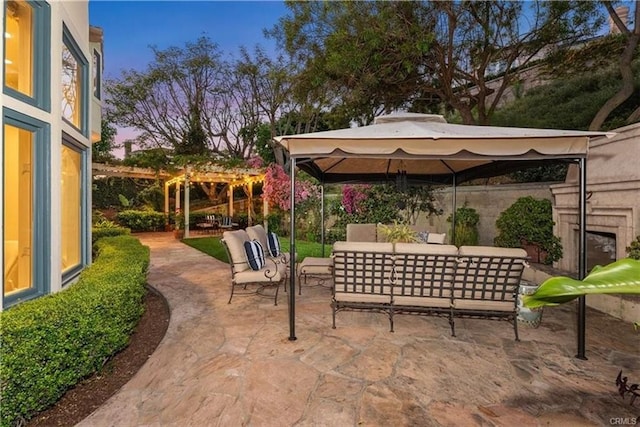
(436, 238)
(361, 232)
(257, 232)
(235, 242)
(255, 254)
(273, 244)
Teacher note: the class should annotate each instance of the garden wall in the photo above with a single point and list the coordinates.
(488, 200)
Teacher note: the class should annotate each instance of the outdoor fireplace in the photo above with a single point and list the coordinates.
(601, 248)
(612, 209)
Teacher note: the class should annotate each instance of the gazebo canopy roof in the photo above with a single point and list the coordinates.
(429, 149)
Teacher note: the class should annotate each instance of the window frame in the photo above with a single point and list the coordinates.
(74, 48)
(69, 275)
(41, 71)
(41, 210)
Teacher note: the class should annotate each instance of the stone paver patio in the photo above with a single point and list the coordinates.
(231, 364)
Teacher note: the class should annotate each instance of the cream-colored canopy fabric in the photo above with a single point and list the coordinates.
(428, 149)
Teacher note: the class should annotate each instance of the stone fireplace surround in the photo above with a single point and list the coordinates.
(613, 206)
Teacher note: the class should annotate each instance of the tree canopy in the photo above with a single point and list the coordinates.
(422, 55)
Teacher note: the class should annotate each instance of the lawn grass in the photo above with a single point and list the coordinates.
(212, 246)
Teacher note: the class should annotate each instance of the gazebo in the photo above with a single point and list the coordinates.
(212, 174)
(423, 148)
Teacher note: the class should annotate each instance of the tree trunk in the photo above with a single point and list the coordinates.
(625, 69)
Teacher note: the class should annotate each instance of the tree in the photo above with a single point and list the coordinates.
(188, 99)
(631, 38)
(269, 82)
(101, 151)
(380, 56)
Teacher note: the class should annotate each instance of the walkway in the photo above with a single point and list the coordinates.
(231, 364)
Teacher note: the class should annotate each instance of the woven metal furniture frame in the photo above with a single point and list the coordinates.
(269, 274)
(422, 285)
(362, 281)
(485, 281)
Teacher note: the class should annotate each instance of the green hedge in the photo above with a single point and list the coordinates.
(141, 220)
(51, 343)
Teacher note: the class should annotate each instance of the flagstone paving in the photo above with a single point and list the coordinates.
(232, 364)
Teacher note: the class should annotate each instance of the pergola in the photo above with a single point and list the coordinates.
(234, 177)
(424, 148)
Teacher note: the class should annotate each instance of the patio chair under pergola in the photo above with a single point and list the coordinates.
(426, 149)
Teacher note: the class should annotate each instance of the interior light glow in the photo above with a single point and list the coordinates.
(7, 35)
(8, 61)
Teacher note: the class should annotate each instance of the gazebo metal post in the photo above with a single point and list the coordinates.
(453, 213)
(582, 254)
(322, 217)
(292, 255)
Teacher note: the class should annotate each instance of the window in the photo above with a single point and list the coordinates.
(72, 207)
(26, 47)
(74, 83)
(97, 74)
(26, 204)
(18, 212)
(18, 46)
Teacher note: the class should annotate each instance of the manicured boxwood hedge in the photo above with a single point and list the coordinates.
(51, 343)
(141, 220)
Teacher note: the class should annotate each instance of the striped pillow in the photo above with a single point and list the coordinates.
(274, 244)
(255, 254)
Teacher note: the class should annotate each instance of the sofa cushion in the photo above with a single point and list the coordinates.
(257, 232)
(265, 275)
(361, 232)
(255, 254)
(235, 242)
(492, 251)
(436, 238)
(462, 304)
(363, 247)
(426, 248)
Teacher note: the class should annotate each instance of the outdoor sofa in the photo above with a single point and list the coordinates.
(430, 279)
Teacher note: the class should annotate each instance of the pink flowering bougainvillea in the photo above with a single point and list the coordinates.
(255, 162)
(277, 188)
(352, 198)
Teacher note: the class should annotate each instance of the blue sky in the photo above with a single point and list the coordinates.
(130, 27)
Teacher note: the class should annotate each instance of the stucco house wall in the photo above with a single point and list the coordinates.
(57, 24)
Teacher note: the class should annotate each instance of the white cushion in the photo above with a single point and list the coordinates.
(235, 242)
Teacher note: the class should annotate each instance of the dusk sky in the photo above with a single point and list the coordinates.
(130, 27)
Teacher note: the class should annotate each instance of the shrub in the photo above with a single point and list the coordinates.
(529, 221)
(141, 220)
(51, 343)
(102, 227)
(398, 232)
(467, 220)
(634, 249)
